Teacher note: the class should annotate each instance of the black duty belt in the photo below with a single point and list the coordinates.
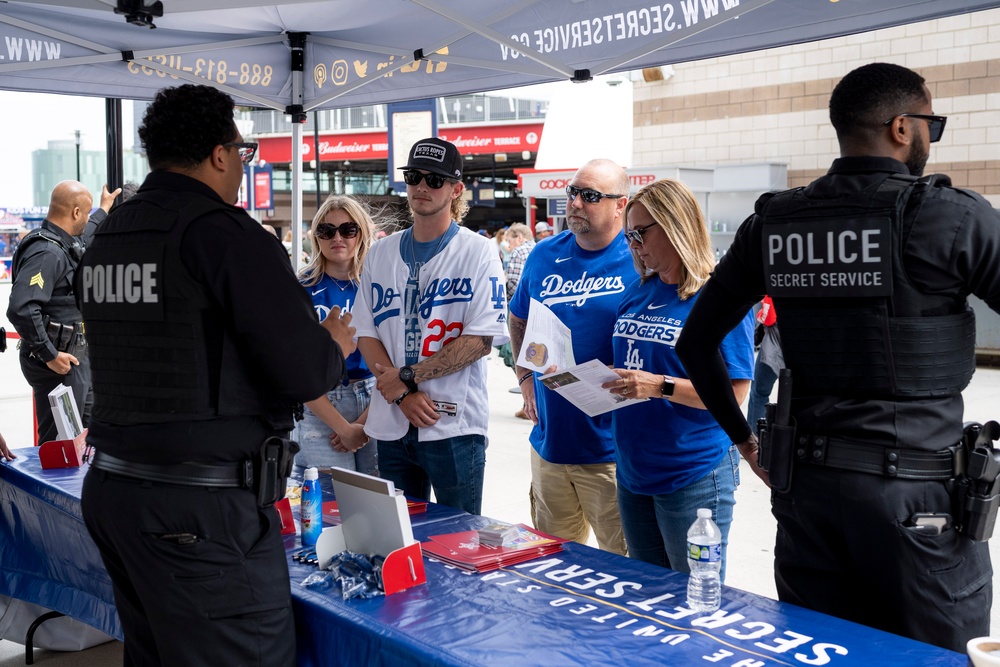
(875, 459)
(229, 475)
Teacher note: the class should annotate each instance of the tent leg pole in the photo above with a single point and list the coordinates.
(29, 637)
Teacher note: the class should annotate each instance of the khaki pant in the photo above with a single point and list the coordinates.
(568, 500)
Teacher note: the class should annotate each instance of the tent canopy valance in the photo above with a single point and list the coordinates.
(299, 55)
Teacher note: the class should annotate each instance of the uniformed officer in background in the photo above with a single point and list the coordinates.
(42, 307)
(201, 341)
(869, 269)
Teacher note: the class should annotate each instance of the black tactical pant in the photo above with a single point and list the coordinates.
(200, 575)
(844, 548)
(43, 380)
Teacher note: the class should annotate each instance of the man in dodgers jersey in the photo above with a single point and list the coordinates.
(580, 276)
(432, 303)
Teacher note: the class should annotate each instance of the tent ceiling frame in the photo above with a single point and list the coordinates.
(49, 32)
(503, 40)
(359, 46)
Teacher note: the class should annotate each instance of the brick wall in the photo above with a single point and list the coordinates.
(771, 106)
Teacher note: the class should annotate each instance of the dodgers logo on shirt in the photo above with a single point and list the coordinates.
(322, 310)
(499, 294)
(385, 303)
(557, 289)
(633, 361)
(655, 329)
(444, 291)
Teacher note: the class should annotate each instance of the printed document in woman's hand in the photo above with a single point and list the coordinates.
(581, 386)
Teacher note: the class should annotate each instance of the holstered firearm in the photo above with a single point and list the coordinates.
(976, 490)
(273, 466)
(777, 436)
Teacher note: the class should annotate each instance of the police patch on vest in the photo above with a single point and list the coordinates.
(113, 287)
(839, 257)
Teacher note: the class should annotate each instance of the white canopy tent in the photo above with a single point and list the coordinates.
(299, 55)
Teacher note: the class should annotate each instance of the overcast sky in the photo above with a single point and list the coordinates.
(28, 121)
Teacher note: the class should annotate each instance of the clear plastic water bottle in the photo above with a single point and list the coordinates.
(311, 507)
(704, 540)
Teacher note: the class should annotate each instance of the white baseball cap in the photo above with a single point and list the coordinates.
(542, 227)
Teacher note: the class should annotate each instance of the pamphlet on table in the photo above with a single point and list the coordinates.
(465, 550)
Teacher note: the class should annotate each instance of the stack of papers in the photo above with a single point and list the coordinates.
(498, 534)
(465, 551)
(331, 512)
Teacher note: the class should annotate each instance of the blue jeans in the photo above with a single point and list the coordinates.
(656, 526)
(764, 378)
(454, 467)
(313, 435)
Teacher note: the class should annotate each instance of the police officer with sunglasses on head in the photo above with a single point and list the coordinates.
(869, 268)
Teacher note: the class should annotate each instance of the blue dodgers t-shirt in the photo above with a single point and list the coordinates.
(326, 294)
(663, 446)
(583, 288)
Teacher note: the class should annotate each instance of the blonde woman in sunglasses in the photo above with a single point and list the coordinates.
(331, 432)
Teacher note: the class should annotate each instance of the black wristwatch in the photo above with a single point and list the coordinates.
(667, 388)
(406, 375)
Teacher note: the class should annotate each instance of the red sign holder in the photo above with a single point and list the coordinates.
(63, 453)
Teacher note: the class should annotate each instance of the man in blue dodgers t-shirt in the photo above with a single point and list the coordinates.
(581, 277)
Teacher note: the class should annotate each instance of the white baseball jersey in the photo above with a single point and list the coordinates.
(462, 292)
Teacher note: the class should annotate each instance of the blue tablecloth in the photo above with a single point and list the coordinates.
(46, 554)
(578, 607)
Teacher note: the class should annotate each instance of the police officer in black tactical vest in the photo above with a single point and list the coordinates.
(43, 308)
(882, 516)
(201, 342)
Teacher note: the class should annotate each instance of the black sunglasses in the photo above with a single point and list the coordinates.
(348, 230)
(635, 235)
(936, 123)
(434, 181)
(589, 195)
(247, 149)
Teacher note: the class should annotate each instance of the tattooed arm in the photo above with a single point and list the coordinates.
(517, 327)
(453, 357)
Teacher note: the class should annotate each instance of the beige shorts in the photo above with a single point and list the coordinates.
(568, 500)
